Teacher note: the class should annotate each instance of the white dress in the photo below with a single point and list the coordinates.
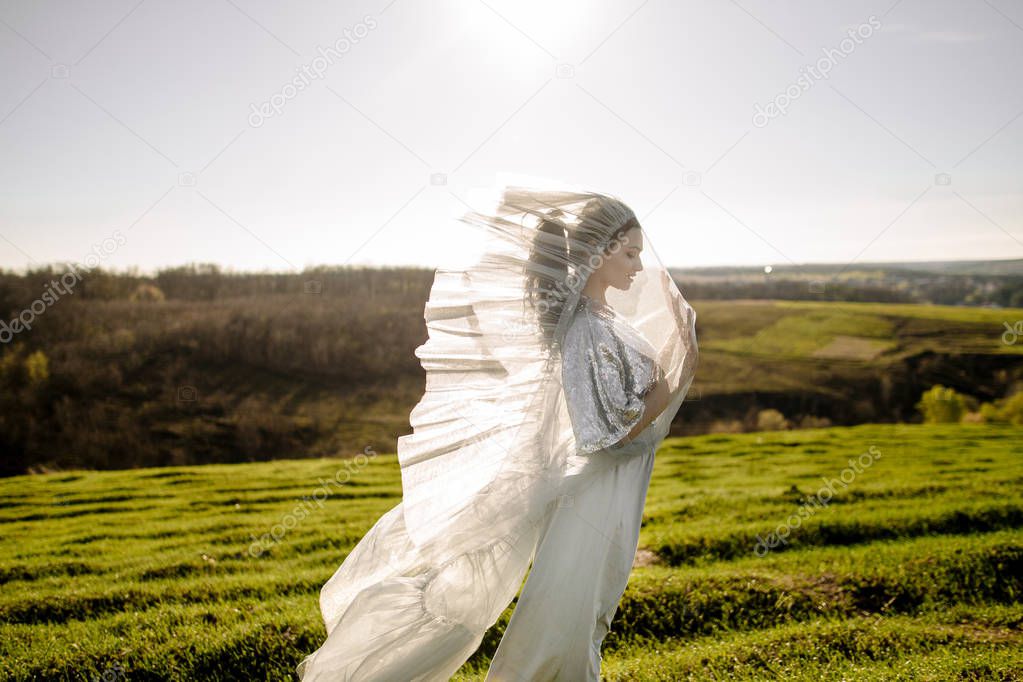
(578, 577)
(586, 550)
(402, 611)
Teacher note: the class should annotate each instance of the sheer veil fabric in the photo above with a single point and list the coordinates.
(495, 444)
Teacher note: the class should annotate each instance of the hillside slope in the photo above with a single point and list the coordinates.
(748, 568)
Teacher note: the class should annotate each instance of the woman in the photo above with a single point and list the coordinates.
(554, 367)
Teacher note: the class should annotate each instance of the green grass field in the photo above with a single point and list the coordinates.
(910, 566)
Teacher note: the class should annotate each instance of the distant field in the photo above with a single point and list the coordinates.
(797, 329)
(254, 378)
(851, 362)
(914, 570)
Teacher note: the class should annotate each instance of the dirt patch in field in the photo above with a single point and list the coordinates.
(646, 557)
(852, 348)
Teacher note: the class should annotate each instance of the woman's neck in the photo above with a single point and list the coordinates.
(595, 291)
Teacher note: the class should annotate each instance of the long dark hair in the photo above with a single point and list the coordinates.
(556, 246)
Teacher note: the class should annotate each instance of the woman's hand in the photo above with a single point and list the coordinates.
(660, 396)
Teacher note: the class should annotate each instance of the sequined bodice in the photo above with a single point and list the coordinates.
(607, 369)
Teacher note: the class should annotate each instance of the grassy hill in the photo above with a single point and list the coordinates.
(848, 362)
(911, 567)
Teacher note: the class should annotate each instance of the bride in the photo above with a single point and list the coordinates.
(554, 366)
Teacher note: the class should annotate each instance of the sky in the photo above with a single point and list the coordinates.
(267, 136)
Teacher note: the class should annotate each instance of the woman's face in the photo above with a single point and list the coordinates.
(623, 262)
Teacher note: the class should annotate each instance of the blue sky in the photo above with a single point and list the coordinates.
(273, 136)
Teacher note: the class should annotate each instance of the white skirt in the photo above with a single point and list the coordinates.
(579, 574)
(387, 620)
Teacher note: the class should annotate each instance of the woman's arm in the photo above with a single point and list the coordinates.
(655, 401)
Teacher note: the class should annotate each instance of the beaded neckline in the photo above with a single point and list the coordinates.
(595, 305)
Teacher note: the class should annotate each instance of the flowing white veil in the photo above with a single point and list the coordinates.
(493, 444)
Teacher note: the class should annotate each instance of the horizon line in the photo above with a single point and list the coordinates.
(135, 270)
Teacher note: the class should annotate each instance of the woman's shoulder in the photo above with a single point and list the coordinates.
(593, 321)
(589, 320)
